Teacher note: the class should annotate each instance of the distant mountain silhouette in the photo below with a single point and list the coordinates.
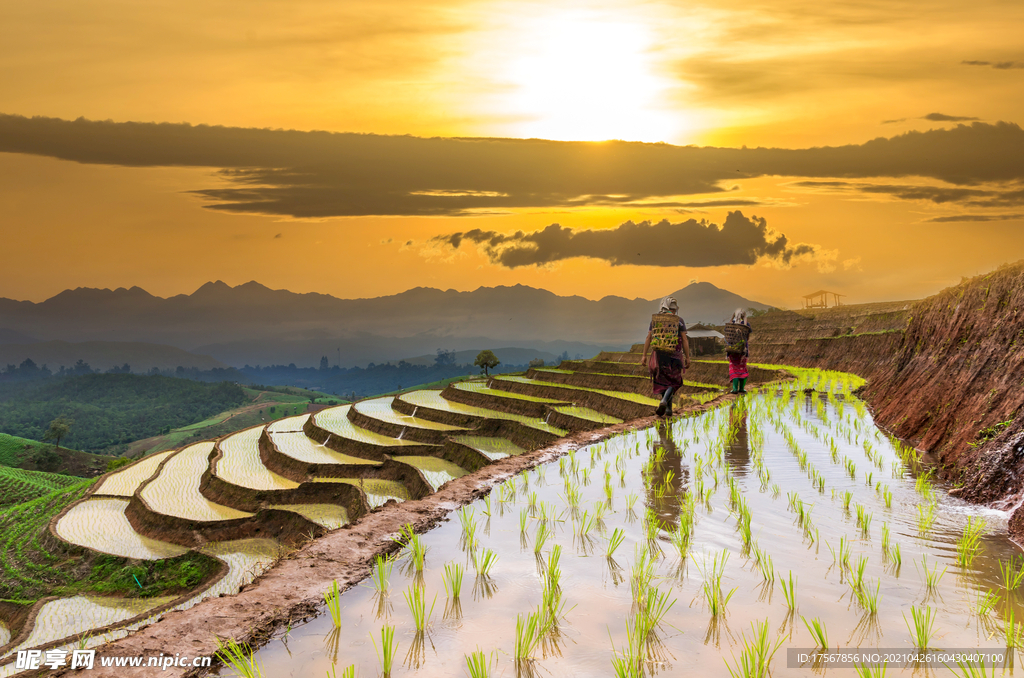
(254, 324)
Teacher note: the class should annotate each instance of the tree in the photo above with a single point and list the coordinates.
(537, 362)
(487, 360)
(444, 358)
(59, 428)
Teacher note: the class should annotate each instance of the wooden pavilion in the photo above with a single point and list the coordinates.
(819, 299)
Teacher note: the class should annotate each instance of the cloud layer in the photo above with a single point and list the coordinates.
(740, 240)
(322, 174)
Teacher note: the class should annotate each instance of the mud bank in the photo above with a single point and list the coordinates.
(293, 589)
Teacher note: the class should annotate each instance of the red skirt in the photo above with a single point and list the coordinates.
(666, 370)
(738, 367)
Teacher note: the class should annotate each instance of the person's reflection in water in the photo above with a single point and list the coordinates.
(737, 450)
(668, 479)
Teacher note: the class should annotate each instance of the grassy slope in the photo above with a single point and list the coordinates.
(33, 564)
(18, 485)
(18, 453)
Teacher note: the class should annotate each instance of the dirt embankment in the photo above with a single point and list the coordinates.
(953, 387)
(860, 338)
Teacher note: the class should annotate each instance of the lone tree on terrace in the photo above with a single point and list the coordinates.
(59, 428)
(486, 360)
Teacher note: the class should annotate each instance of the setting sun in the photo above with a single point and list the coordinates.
(586, 77)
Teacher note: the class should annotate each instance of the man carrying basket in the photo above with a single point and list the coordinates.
(670, 353)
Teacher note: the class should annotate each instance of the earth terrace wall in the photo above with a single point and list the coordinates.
(301, 472)
(218, 490)
(957, 372)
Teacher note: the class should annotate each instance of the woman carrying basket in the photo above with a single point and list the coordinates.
(670, 353)
(738, 350)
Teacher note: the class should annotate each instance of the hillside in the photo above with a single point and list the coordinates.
(111, 410)
(18, 485)
(21, 453)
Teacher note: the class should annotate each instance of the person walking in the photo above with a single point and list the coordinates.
(669, 353)
(738, 373)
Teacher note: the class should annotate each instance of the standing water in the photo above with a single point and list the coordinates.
(786, 516)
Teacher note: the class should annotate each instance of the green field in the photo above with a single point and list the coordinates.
(14, 450)
(18, 485)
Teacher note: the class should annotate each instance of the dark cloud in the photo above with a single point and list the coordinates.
(942, 117)
(975, 217)
(1001, 65)
(691, 243)
(278, 236)
(889, 122)
(977, 197)
(322, 174)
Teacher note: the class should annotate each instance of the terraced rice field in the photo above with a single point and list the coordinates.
(433, 400)
(492, 448)
(175, 491)
(380, 408)
(170, 488)
(125, 482)
(299, 447)
(99, 524)
(436, 471)
(241, 465)
(336, 421)
(330, 516)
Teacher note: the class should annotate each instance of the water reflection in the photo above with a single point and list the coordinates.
(737, 447)
(666, 479)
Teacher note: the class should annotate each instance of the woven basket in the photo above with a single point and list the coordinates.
(736, 336)
(665, 332)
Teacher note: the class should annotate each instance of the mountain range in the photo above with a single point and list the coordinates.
(253, 324)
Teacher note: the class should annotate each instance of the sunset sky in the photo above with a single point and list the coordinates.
(362, 148)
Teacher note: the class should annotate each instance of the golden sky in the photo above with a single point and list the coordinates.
(169, 207)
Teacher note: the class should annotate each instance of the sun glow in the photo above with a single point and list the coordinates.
(586, 77)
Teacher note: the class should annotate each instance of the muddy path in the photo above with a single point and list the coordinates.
(292, 590)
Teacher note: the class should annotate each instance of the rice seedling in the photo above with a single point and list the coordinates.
(541, 537)
(1012, 573)
(712, 573)
(756, 657)
(776, 490)
(895, 556)
(531, 502)
(887, 497)
(969, 543)
(332, 597)
(382, 574)
(885, 538)
(388, 648)
(816, 628)
(867, 598)
(552, 572)
(528, 635)
(239, 656)
(986, 602)
(844, 553)
(1012, 630)
(452, 578)
(468, 521)
(631, 501)
(923, 627)
(931, 577)
(847, 497)
(524, 517)
(857, 574)
(615, 541)
(416, 599)
(478, 665)
(789, 591)
(971, 670)
(925, 517)
(483, 561)
(871, 671)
